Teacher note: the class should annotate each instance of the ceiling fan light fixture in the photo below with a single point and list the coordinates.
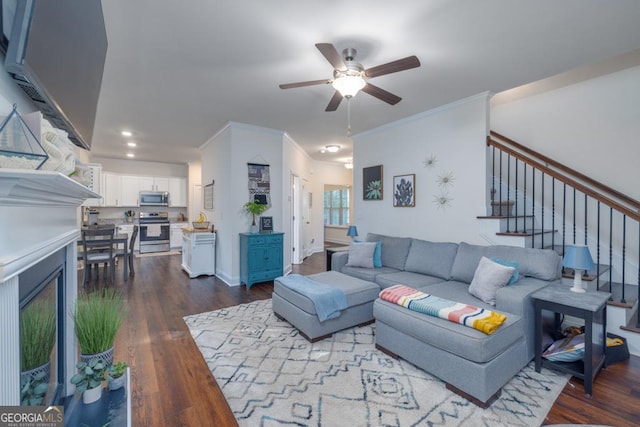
(348, 165)
(332, 148)
(348, 86)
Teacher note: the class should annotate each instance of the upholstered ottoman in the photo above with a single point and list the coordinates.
(299, 310)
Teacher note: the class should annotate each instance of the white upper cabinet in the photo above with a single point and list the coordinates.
(130, 190)
(154, 183)
(124, 190)
(178, 192)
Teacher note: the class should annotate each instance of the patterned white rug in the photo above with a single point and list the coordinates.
(271, 376)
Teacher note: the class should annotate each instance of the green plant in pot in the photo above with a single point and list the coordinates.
(37, 336)
(254, 209)
(89, 378)
(33, 387)
(115, 375)
(97, 318)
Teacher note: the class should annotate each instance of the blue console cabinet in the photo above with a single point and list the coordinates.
(260, 257)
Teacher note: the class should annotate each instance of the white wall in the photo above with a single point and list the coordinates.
(591, 126)
(328, 173)
(455, 134)
(224, 159)
(136, 167)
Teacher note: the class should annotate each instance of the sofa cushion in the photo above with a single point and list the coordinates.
(431, 258)
(451, 337)
(413, 280)
(544, 264)
(516, 269)
(466, 261)
(369, 274)
(488, 278)
(394, 249)
(361, 254)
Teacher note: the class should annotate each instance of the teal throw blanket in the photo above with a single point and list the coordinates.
(328, 300)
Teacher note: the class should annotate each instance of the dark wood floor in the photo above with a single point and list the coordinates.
(172, 386)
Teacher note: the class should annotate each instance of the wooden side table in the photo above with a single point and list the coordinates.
(331, 251)
(592, 308)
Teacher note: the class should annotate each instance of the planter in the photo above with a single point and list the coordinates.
(502, 208)
(117, 383)
(91, 395)
(106, 356)
(254, 229)
(46, 367)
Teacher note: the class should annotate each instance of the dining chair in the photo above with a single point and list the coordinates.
(132, 243)
(98, 248)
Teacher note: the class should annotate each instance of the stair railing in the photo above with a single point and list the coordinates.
(537, 183)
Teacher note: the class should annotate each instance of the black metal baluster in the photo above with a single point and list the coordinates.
(574, 216)
(499, 186)
(624, 250)
(524, 202)
(610, 250)
(508, 193)
(638, 315)
(585, 219)
(598, 250)
(533, 203)
(493, 176)
(564, 217)
(553, 213)
(543, 201)
(515, 204)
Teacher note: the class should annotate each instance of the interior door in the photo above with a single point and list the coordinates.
(296, 246)
(305, 220)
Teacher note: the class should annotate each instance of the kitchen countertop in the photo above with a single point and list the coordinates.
(197, 230)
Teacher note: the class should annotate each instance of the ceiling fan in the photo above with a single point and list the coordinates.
(349, 77)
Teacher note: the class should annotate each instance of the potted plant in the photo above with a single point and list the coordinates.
(33, 387)
(37, 338)
(254, 209)
(97, 318)
(115, 375)
(88, 380)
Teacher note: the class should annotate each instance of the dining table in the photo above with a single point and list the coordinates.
(118, 239)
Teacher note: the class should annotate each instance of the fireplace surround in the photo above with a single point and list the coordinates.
(39, 217)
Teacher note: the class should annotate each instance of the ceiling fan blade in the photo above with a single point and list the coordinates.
(335, 59)
(393, 67)
(302, 84)
(381, 94)
(335, 102)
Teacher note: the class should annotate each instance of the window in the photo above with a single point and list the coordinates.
(336, 206)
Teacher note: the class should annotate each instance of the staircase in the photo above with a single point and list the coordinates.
(538, 202)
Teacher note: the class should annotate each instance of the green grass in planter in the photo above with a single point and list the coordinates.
(37, 334)
(97, 319)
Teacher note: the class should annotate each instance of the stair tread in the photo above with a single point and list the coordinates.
(632, 325)
(503, 216)
(630, 294)
(591, 274)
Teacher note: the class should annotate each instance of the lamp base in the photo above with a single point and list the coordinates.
(577, 283)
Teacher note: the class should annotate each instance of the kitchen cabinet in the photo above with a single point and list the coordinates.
(129, 190)
(198, 252)
(178, 192)
(176, 234)
(112, 189)
(153, 183)
(260, 257)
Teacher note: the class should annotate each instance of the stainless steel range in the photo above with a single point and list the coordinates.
(155, 232)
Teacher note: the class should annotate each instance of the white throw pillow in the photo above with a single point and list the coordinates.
(488, 278)
(361, 254)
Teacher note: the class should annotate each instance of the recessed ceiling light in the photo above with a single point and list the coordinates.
(126, 133)
(130, 155)
(332, 148)
(131, 144)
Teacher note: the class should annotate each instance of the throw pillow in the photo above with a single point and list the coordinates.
(516, 273)
(361, 254)
(488, 278)
(377, 255)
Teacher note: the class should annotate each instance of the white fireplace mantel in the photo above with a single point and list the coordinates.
(38, 216)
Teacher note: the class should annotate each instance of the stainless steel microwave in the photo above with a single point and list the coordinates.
(154, 198)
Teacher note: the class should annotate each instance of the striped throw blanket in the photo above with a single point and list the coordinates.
(486, 321)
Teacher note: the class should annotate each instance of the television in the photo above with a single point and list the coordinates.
(55, 52)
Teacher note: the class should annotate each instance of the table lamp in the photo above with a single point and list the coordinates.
(352, 232)
(578, 258)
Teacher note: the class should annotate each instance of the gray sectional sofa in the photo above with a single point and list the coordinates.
(472, 363)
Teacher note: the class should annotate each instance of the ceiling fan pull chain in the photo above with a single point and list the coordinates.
(348, 117)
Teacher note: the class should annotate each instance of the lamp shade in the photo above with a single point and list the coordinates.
(352, 231)
(578, 257)
(348, 86)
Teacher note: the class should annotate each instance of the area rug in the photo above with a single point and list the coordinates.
(272, 376)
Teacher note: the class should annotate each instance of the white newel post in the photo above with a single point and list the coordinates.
(38, 217)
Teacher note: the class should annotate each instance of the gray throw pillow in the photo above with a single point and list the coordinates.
(489, 277)
(361, 254)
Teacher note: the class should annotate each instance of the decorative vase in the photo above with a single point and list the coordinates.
(91, 395)
(117, 383)
(254, 229)
(106, 356)
(45, 367)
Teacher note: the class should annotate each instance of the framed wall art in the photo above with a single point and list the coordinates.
(404, 191)
(266, 224)
(372, 183)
